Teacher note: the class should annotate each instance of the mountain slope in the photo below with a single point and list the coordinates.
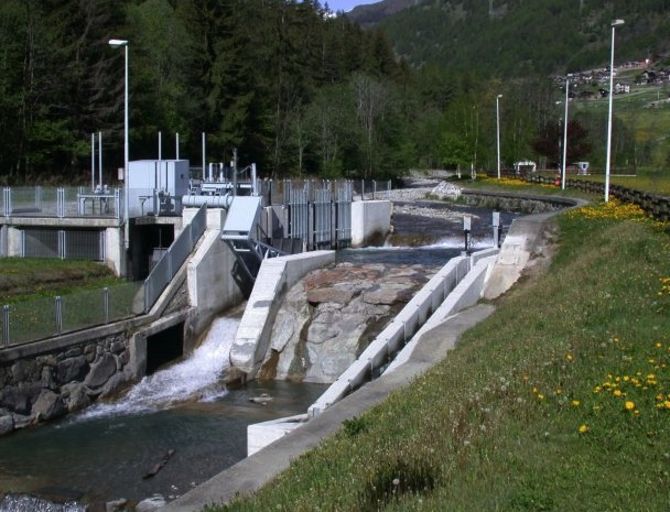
(371, 14)
(512, 37)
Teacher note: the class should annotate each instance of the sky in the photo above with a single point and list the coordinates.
(346, 5)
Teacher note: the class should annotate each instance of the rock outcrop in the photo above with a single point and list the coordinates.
(328, 318)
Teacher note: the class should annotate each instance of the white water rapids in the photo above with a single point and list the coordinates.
(196, 377)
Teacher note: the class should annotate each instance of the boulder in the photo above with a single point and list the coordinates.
(25, 370)
(22, 421)
(20, 398)
(101, 371)
(150, 504)
(116, 505)
(48, 381)
(75, 396)
(388, 294)
(72, 369)
(336, 294)
(113, 384)
(73, 352)
(446, 190)
(48, 405)
(6, 422)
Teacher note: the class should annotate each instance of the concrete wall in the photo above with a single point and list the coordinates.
(369, 219)
(275, 276)
(523, 239)
(211, 287)
(115, 252)
(14, 245)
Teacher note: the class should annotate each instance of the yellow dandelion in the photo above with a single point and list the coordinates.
(617, 392)
(575, 403)
(666, 404)
(583, 428)
(569, 357)
(540, 396)
(629, 405)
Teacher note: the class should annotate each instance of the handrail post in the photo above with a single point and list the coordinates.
(105, 303)
(58, 302)
(5, 324)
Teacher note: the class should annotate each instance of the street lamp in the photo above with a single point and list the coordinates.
(615, 23)
(565, 129)
(498, 129)
(118, 43)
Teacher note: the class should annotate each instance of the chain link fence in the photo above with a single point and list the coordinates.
(44, 317)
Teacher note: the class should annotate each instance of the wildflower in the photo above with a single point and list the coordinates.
(575, 403)
(629, 405)
(540, 396)
(617, 393)
(569, 356)
(666, 404)
(583, 428)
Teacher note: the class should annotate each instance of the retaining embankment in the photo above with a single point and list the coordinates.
(275, 276)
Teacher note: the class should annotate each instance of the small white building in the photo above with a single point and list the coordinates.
(524, 166)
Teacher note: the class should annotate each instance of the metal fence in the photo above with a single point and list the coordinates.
(318, 212)
(44, 317)
(88, 244)
(372, 189)
(61, 202)
(171, 261)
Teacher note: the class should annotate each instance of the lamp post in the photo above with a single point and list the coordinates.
(118, 43)
(498, 129)
(565, 130)
(615, 23)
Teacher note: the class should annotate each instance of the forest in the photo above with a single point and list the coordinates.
(291, 86)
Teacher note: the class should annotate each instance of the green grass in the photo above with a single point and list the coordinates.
(27, 278)
(650, 124)
(29, 286)
(494, 426)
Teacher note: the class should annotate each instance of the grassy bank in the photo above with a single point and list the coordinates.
(559, 401)
(27, 278)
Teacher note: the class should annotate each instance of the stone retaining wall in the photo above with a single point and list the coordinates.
(46, 386)
(655, 205)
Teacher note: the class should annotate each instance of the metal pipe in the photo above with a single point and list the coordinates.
(253, 180)
(100, 160)
(176, 144)
(210, 201)
(204, 178)
(92, 161)
(565, 131)
(160, 146)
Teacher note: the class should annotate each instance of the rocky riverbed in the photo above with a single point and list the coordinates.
(327, 319)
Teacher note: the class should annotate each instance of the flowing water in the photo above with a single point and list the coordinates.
(103, 453)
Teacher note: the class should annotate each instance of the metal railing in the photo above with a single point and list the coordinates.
(172, 260)
(61, 202)
(44, 317)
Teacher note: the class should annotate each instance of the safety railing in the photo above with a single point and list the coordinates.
(43, 317)
(61, 202)
(172, 260)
